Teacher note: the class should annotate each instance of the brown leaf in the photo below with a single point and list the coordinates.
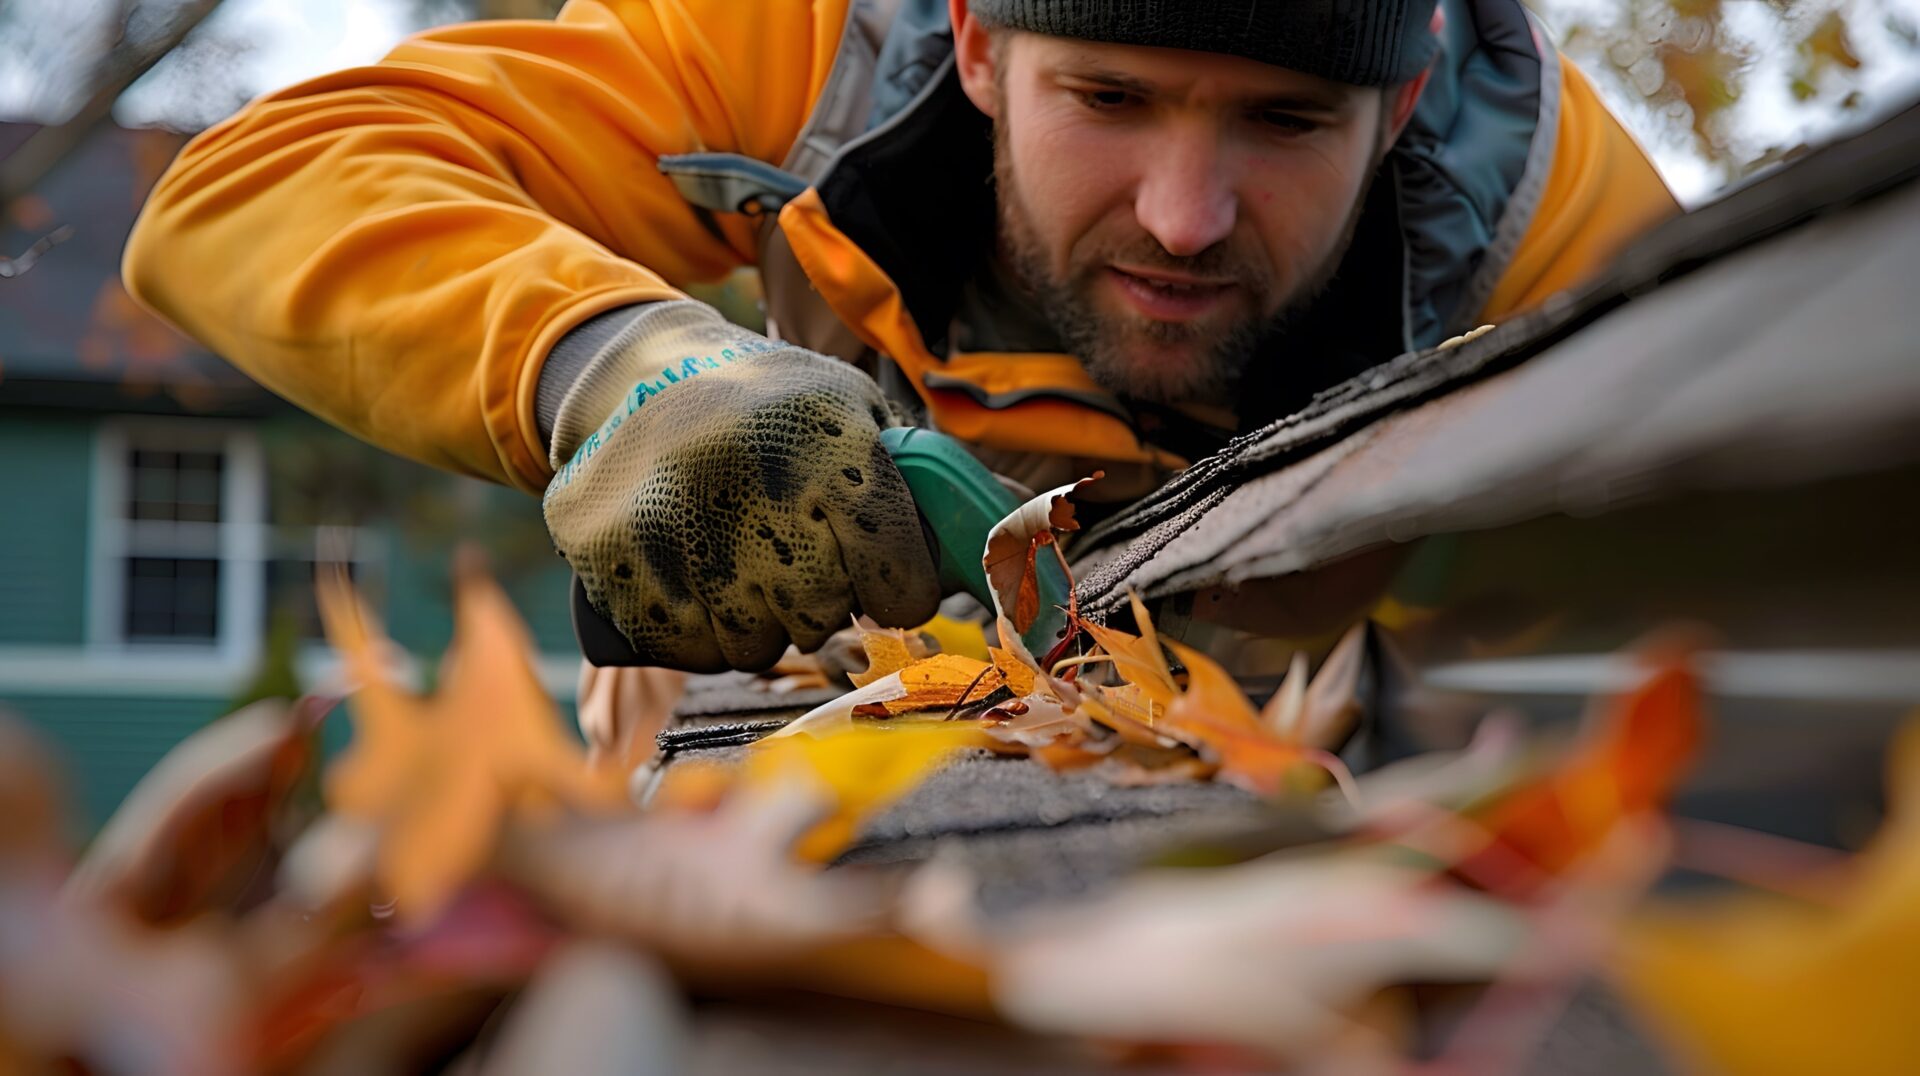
(194, 834)
(1014, 543)
(399, 981)
(31, 799)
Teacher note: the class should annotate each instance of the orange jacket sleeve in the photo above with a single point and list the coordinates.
(396, 247)
(1601, 193)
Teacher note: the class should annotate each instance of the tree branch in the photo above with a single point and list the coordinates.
(43, 151)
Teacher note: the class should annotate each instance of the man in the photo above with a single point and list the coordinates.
(1073, 233)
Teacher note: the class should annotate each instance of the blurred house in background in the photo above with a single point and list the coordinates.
(160, 514)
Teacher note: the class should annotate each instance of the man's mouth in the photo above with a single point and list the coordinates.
(1166, 296)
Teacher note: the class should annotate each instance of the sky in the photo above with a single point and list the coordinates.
(265, 44)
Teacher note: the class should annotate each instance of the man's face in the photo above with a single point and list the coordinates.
(1169, 208)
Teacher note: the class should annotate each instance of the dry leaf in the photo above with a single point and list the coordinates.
(706, 888)
(395, 980)
(331, 863)
(889, 650)
(1135, 766)
(1322, 714)
(836, 715)
(1274, 955)
(1041, 722)
(1412, 788)
(1126, 709)
(1628, 764)
(194, 832)
(942, 682)
(1757, 984)
(1018, 677)
(594, 1008)
(622, 708)
(1013, 545)
(1213, 713)
(84, 985)
(31, 799)
(864, 769)
(438, 776)
(1137, 660)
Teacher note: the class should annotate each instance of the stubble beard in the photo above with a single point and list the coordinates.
(1104, 344)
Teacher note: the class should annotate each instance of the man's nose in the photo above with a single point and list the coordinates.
(1186, 199)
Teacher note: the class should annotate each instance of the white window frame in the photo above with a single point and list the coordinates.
(108, 663)
(242, 540)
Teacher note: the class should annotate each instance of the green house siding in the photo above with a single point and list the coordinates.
(107, 737)
(105, 745)
(46, 462)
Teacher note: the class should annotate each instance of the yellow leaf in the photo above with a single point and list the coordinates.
(864, 768)
(1760, 985)
(963, 637)
(437, 776)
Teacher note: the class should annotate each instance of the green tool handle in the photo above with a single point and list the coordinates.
(961, 501)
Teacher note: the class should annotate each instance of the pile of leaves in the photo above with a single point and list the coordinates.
(467, 886)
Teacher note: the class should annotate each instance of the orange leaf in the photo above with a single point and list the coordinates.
(1628, 765)
(941, 682)
(1138, 660)
(1214, 714)
(1017, 676)
(437, 776)
(889, 650)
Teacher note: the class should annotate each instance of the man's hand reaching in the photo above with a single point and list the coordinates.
(722, 494)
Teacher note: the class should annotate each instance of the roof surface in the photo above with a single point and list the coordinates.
(68, 330)
(1768, 339)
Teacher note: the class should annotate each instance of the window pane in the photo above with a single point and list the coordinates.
(182, 486)
(172, 598)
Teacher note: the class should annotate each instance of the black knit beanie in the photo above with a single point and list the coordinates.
(1363, 42)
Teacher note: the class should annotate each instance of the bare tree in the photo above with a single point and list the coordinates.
(132, 55)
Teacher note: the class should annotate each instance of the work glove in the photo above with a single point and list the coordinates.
(719, 494)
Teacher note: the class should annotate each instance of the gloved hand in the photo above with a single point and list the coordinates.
(720, 494)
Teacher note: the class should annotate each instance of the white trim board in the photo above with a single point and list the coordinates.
(200, 672)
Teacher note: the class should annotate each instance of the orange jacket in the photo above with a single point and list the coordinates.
(397, 247)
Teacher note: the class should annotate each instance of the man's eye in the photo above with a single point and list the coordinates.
(1287, 122)
(1106, 100)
